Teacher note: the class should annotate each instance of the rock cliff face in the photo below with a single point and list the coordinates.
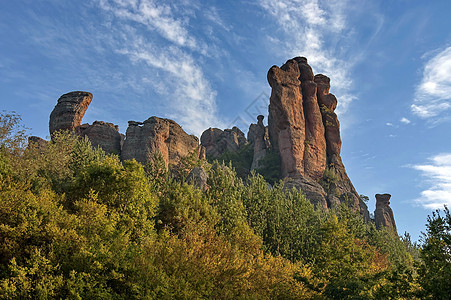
(158, 135)
(383, 215)
(69, 111)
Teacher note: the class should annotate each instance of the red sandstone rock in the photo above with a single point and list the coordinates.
(295, 124)
(383, 215)
(103, 135)
(158, 135)
(69, 111)
(258, 137)
(286, 120)
(217, 141)
(305, 131)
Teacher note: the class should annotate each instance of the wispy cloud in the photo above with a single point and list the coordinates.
(155, 16)
(405, 120)
(305, 24)
(433, 94)
(192, 98)
(174, 61)
(437, 174)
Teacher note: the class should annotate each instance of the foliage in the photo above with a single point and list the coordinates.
(77, 223)
(12, 133)
(241, 160)
(270, 167)
(435, 269)
(329, 179)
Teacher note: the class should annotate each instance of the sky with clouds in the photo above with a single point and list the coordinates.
(204, 64)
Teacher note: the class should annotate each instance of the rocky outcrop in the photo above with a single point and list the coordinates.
(304, 130)
(37, 142)
(104, 135)
(69, 111)
(217, 141)
(295, 123)
(383, 215)
(198, 177)
(312, 190)
(142, 138)
(165, 136)
(258, 137)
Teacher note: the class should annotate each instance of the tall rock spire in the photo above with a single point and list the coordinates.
(383, 215)
(304, 130)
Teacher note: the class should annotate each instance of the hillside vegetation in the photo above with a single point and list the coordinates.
(76, 223)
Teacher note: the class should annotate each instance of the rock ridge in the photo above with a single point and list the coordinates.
(303, 131)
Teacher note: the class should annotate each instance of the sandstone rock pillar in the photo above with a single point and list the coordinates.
(69, 111)
(383, 215)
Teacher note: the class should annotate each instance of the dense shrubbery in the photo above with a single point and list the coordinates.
(76, 223)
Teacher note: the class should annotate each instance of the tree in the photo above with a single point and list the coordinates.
(435, 271)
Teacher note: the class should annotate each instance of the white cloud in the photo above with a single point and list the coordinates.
(389, 124)
(405, 120)
(433, 94)
(438, 176)
(306, 23)
(155, 16)
(193, 99)
(174, 72)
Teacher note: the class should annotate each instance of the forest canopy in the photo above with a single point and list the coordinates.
(77, 223)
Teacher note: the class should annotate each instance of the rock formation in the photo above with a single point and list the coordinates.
(37, 142)
(217, 141)
(142, 140)
(304, 130)
(198, 177)
(312, 190)
(383, 215)
(103, 135)
(69, 111)
(259, 138)
(295, 123)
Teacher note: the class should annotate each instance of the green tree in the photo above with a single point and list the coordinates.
(435, 270)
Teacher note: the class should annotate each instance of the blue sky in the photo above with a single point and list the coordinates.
(204, 64)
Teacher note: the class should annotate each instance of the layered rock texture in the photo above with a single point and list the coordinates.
(304, 130)
(104, 135)
(383, 215)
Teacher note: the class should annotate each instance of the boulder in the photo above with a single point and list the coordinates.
(37, 142)
(69, 111)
